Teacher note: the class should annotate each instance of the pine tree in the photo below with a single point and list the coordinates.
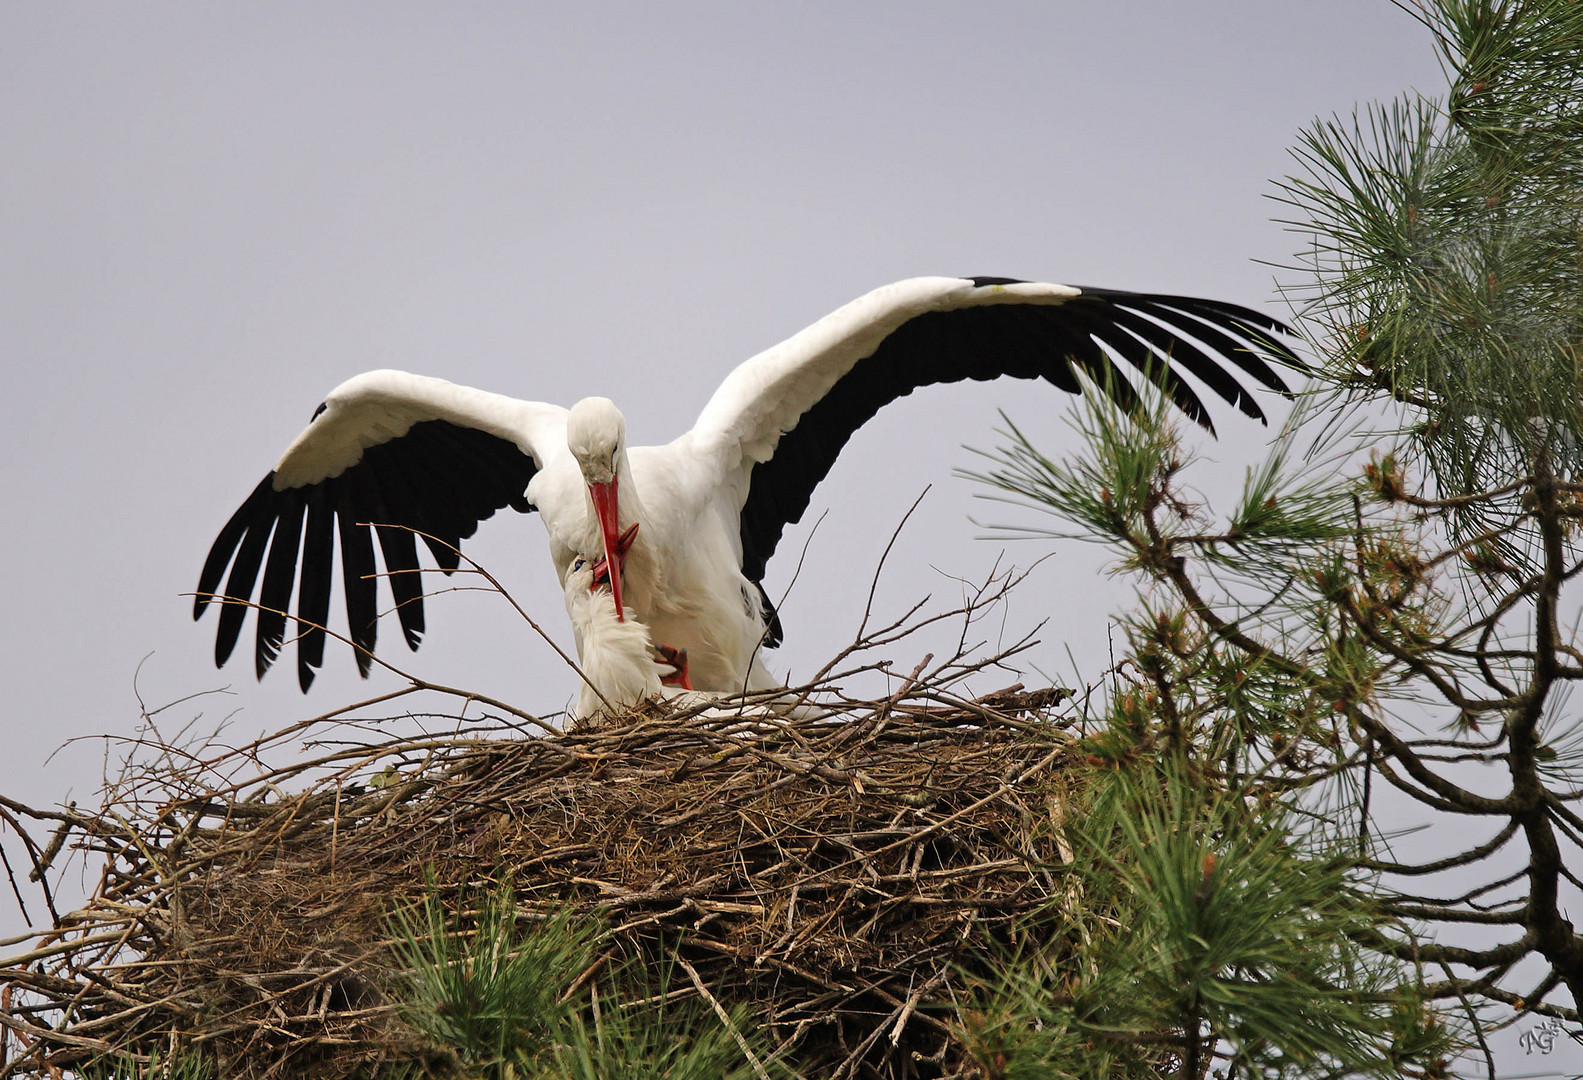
(1407, 622)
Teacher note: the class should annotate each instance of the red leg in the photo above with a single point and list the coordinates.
(676, 658)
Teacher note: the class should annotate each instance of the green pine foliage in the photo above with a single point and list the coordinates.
(1213, 929)
(500, 1000)
(188, 1066)
(1445, 255)
(1220, 895)
(490, 992)
(662, 1041)
(1379, 608)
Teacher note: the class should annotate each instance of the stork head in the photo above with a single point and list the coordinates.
(596, 434)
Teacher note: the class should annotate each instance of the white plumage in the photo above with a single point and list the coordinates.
(392, 457)
(615, 654)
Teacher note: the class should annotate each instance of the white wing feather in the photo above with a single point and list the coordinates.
(765, 397)
(379, 406)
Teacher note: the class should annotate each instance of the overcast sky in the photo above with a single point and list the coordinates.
(210, 215)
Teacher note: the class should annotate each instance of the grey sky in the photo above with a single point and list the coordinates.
(212, 214)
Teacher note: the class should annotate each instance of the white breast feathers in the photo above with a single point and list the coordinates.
(615, 655)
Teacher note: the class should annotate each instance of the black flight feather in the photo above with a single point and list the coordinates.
(1148, 359)
(252, 509)
(274, 596)
(400, 551)
(357, 570)
(1245, 354)
(1157, 335)
(239, 586)
(313, 593)
(439, 479)
(1166, 341)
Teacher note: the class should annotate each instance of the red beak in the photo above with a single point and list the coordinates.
(604, 496)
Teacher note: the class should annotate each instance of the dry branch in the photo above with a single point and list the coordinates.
(842, 871)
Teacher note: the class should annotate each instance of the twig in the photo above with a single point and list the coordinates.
(725, 1018)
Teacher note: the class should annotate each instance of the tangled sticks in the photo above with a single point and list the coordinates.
(841, 872)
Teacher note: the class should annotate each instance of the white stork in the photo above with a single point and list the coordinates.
(392, 456)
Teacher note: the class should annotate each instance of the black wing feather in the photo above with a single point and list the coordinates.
(274, 596)
(1183, 353)
(488, 470)
(454, 515)
(253, 509)
(1142, 356)
(400, 550)
(313, 594)
(1052, 342)
(1204, 322)
(358, 569)
(244, 572)
(413, 496)
(440, 479)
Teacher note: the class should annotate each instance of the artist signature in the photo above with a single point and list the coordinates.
(1541, 1037)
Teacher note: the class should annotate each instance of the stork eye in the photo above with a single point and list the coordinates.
(577, 564)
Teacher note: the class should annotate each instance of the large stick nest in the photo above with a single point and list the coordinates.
(844, 872)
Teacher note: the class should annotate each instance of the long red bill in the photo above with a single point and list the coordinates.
(604, 496)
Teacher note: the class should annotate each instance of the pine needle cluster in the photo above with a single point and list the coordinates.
(1445, 247)
(501, 1001)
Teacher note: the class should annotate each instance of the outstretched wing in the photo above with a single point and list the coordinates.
(386, 454)
(777, 423)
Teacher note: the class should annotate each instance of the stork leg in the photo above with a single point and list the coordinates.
(676, 658)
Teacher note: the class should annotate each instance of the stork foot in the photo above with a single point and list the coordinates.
(676, 658)
(602, 565)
